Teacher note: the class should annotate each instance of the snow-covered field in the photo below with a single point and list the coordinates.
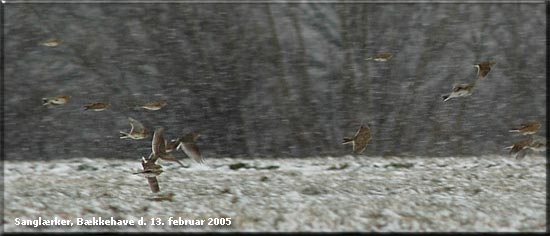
(488, 193)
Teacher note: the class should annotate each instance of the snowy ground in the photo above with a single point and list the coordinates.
(489, 193)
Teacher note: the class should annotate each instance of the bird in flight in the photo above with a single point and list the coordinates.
(459, 90)
(57, 100)
(360, 140)
(484, 68)
(96, 106)
(534, 143)
(188, 145)
(170, 147)
(150, 169)
(381, 57)
(153, 106)
(53, 42)
(527, 128)
(138, 131)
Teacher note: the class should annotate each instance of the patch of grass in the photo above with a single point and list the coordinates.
(443, 189)
(86, 167)
(399, 165)
(225, 190)
(312, 190)
(476, 191)
(238, 165)
(267, 168)
(339, 167)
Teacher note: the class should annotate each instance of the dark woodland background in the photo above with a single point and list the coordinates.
(272, 80)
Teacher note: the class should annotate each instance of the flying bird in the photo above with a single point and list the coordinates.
(381, 57)
(138, 131)
(97, 106)
(189, 147)
(483, 69)
(360, 140)
(527, 128)
(150, 168)
(170, 147)
(519, 149)
(53, 42)
(57, 100)
(153, 106)
(538, 144)
(459, 90)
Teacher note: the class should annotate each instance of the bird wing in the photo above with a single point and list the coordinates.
(137, 127)
(170, 157)
(459, 87)
(521, 154)
(153, 184)
(192, 151)
(158, 144)
(171, 145)
(521, 145)
(531, 125)
(538, 140)
(484, 68)
(362, 137)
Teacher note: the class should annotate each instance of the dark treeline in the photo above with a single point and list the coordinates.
(272, 80)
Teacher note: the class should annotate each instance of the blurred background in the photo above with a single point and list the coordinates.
(272, 80)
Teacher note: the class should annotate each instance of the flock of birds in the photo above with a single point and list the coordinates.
(534, 143)
(162, 148)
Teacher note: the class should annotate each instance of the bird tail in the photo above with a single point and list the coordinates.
(347, 140)
(124, 135)
(446, 97)
(368, 59)
(513, 130)
(153, 184)
(521, 154)
(45, 101)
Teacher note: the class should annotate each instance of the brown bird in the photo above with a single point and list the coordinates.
(151, 171)
(97, 106)
(171, 146)
(538, 144)
(153, 106)
(527, 128)
(57, 100)
(138, 131)
(150, 168)
(164, 152)
(381, 57)
(53, 42)
(519, 149)
(189, 147)
(459, 90)
(483, 69)
(360, 140)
